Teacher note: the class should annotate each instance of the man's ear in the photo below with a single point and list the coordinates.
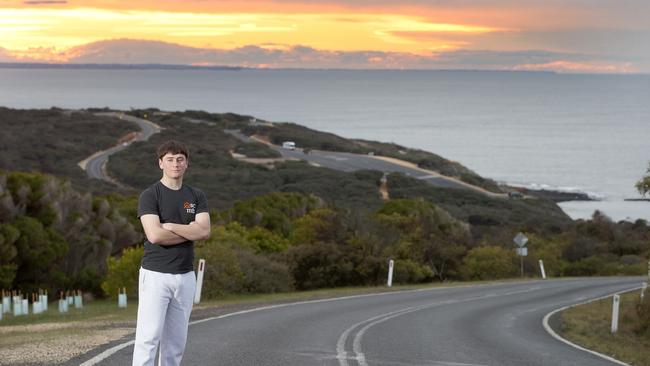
(160, 163)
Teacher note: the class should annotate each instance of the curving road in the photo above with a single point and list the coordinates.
(349, 162)
(494, 324)
(94, 165)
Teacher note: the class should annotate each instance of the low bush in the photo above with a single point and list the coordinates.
(408, 271)
(262, 275)
(490, 262)
(319, 265)
(222, 273)
(123, 272)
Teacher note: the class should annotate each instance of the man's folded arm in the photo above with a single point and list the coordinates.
(155, 232)
(199, 229)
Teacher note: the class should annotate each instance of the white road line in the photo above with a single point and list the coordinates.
(356, 343)
(342, 354)
(550, 330)
(100, 357)
(109, 352)
(337, 158)
(428, 176)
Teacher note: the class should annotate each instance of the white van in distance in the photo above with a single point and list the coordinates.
(289, 145)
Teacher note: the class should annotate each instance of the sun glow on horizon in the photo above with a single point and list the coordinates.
(475, 34)
(61, 29)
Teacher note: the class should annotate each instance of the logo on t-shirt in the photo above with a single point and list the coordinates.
(190, 207)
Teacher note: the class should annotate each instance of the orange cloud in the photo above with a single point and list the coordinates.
(50, 29)
(65, 28)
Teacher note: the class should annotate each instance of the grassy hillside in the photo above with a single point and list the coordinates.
(312, 139)
(54, 141)
(480, 211)
(281, 227)
(227, 180)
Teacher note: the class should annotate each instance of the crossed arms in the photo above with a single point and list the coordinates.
(171, 234)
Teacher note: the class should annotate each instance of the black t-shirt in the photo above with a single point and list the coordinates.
(174, 206)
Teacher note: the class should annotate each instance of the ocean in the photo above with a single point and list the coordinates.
(570, 132)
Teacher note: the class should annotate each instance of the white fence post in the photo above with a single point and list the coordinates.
(78, 300)
(541, 268)
(391, 264)
(199, 281)
(615, 305)
(643, 288)
(6, 302)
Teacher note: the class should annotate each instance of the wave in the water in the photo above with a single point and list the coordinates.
(546, 187)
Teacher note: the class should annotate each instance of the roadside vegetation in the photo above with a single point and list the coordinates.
(590, 326)
(312, 139)
(643, 185)
(54, 141)
(275, 230)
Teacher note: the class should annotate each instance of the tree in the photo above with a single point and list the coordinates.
(643, 185)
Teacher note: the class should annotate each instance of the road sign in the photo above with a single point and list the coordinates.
(521, 240)
(522, 252)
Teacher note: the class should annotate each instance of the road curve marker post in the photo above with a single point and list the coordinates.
(541, 268)
(616, 302)
(391, 264)
(199, 281)
(644, 286)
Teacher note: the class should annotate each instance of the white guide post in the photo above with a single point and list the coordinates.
(541, 268)
(391, 264)
(199, 281)
(121, 298)
(615, 306)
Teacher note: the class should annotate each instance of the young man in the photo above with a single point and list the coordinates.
(173, 215)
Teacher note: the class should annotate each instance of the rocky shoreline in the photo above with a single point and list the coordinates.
(555, 196)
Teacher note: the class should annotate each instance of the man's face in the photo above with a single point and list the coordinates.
(173, 165)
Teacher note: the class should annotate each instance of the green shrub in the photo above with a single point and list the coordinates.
(262, 275)
(7, 274)
(487, 263)
(319, 265)
(222, 273)
(265, 241)
(124, 272)
(407, 271)
(597, 266)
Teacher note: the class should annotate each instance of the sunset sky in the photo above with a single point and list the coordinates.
(570, 36)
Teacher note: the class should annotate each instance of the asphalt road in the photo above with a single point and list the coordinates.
(95, 164)
(494, 324)
(348, 162)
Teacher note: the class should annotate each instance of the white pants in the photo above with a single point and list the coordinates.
(165, 304)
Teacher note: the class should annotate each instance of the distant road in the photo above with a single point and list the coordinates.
(348, 162)
(95, 164)
(497, 324)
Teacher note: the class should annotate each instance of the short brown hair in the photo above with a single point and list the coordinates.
(172, 147)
